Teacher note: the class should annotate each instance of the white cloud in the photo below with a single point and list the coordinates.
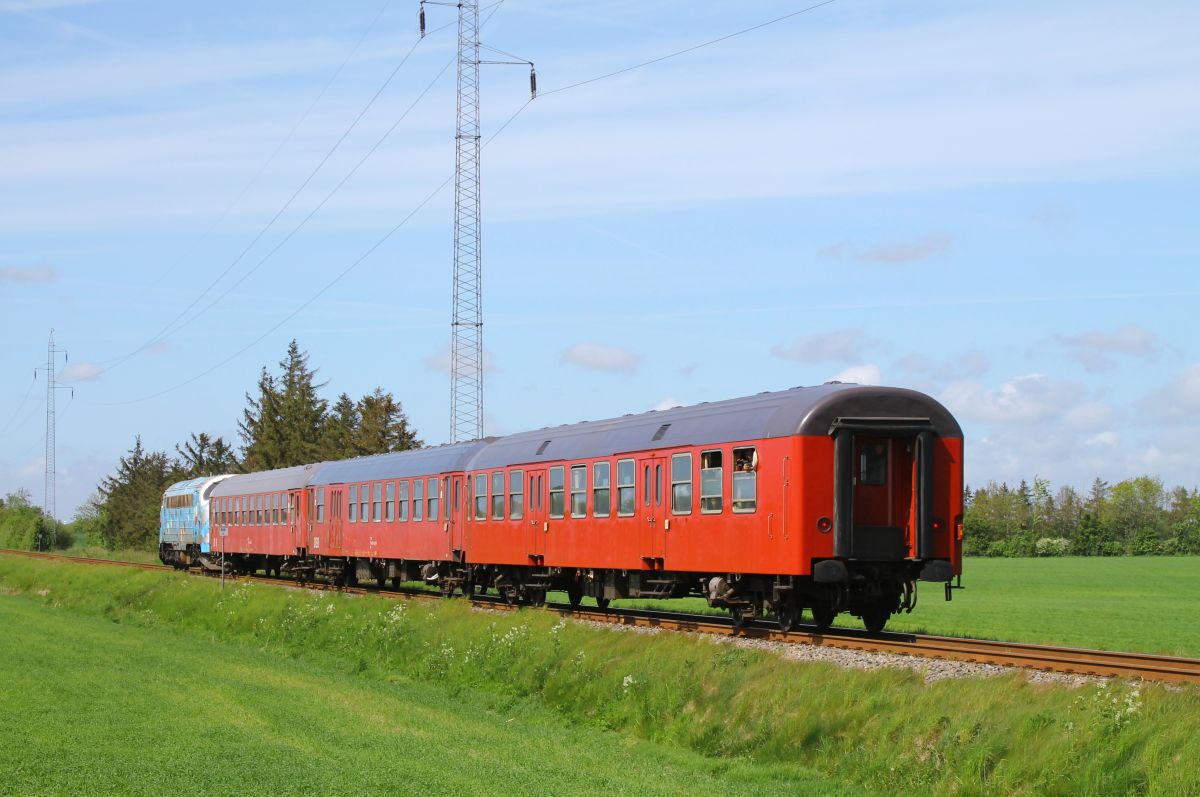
(23, 6)
(845, 346)
(1176, 401)
(1031, 398)
(966, 366)
(912, 251)
(868, 374)
(1091, 349)
(80, 372)
(600, 357)
(19, 274)
(440, 362)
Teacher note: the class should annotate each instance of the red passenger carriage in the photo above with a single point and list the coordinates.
(832, 498)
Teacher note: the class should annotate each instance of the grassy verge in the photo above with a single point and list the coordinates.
(140, 710)
(124, 555)
(887, 730)
(1141, 603)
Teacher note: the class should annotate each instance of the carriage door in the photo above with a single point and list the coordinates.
(652, 509)
(882, 481)
(452, 508)
(536, 518)
(294, 521)
(336, 509)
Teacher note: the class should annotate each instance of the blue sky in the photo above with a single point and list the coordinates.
(993, 203)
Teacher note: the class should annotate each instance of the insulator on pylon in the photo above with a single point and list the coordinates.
(532, 82)
(421, 16)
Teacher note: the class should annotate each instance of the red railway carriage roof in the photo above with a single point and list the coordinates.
(266, 481)
(784, 413)
(401, 465)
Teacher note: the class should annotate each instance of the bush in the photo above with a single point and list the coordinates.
(1053, 546)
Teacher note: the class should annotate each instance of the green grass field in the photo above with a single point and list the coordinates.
(105, 667)
(1139, 603)
(101, 708)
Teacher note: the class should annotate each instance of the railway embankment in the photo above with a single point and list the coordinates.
(888, 730)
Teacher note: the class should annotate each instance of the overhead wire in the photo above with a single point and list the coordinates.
(20, 406)
(429, 198)
(278, 147)
(166, 330)
(686, 50)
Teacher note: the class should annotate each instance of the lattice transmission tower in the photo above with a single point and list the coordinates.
(52, 386)
(466, 322)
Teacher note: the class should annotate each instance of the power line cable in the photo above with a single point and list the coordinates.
(279, 245)
(278, 147)
(20, 406)
(166, 329)
(321, 292)
(686, 50)
(375, 246)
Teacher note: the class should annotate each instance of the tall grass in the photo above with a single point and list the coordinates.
(886, 729)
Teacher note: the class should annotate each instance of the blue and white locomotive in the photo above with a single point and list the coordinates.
(183, 532)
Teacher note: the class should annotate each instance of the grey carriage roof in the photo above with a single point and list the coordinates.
(267, 481)
(799, 411)
(403, 464)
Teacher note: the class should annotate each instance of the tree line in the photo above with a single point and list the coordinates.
(1136, 517)
(285, 422)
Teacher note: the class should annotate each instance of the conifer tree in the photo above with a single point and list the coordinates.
(383, 426)
(133, 496)
(202, 455)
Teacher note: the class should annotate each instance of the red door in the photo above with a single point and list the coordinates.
(536, 514)
(873, 500)
(295, 527)
(337, 497)
(451, 502)
(652, 511)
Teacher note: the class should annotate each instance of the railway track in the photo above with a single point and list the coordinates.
(1100, 663)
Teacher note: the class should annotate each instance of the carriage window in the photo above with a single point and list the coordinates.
(498, 496)
(275, 509)
(285, 507)
(658, 485)
(579, 491)
(745, 480)
(601, 489)
(404, 500)
(418, 498)
(364, 499)
(258, 515)
(681, 484)
(431, 500)
(556, 491)
(626, 503)
(377, 502)
(320, 504)
(646, 486)
(872, 464)
(352, 514)
(389, 503)
(712, 477)
(516, 498)
(481, 496)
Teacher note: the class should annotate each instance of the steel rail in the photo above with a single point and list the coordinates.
(1077, 661)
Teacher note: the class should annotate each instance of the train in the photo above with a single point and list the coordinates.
(833, 498)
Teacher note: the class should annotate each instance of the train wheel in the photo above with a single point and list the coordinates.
(823, 615)
(468, 589)
(602, 603)
(574, 596)
(788, 614)
(875, 617)
(738, 614)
